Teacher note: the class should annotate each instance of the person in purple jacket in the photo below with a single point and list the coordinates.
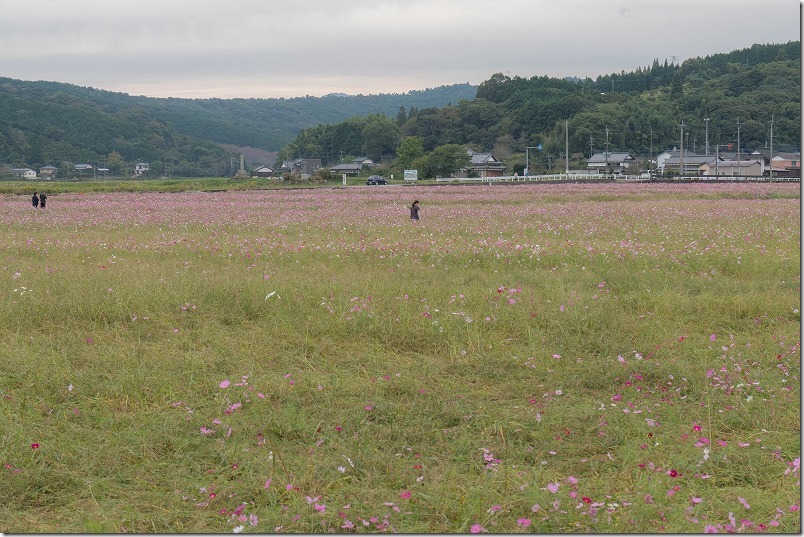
(414, 210)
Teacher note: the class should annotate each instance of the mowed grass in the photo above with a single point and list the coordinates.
(550, 359)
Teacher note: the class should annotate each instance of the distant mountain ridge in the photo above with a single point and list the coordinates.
(52, 123)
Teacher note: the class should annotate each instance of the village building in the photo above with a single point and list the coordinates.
(482, 165)
(612, 162)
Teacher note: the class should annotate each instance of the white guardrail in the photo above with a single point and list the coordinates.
(616, 178)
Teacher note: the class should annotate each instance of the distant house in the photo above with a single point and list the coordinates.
(691, 164)
(262, 171)
(349, 168)
(354, 167)
(731, 168)
(482, 165)
(302, 166)
(141, 168)
(784, 164)
(620, 163)
(25, 173)
(48, 172)
(82, 168)
(364, 161)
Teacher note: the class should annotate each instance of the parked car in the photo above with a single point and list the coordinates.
(376, 180)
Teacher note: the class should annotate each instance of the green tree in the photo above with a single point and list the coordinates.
(380, 136)
(446, 160)
(408, 151)
(676, 89)
(115, 163)
(401, 117)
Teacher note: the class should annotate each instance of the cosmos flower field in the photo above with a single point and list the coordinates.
(530, 358)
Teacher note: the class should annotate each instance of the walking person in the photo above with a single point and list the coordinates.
(414, 210)
(42, 199)
(35, 201)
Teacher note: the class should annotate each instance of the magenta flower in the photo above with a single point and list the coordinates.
(523, 522)
(224, 383)
(405, 495)
(477, 528)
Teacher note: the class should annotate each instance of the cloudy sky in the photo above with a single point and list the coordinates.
(292, 48)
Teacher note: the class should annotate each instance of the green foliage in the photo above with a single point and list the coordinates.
(380, 137)
(445, 160)
(642, 109)
(408, 151)
(47, 123)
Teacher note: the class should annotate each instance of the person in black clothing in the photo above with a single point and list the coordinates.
(42, 199)
(35, 200)
(414, 210)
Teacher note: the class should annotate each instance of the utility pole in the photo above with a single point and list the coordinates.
(706, 119)
(650, 162)
(738, 143)
(591, 147)
(681, 153)
(770, 173)
(566, 146)
(607, 146)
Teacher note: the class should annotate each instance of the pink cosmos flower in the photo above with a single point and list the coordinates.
(552, 487)
(405, 495)
(742, 501)
(35, 445)
(477, 528)
(523, 522)
(224, 383)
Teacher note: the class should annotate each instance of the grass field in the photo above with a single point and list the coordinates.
(541, 358)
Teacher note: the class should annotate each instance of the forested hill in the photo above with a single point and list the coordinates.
(50, 123)
(725, 98)
(47, 122)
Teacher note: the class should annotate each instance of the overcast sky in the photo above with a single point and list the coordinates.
(293, 48)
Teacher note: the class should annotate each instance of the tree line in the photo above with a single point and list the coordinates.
(640, 112)
(50, 123)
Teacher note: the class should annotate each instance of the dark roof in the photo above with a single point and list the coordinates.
(600, 157)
